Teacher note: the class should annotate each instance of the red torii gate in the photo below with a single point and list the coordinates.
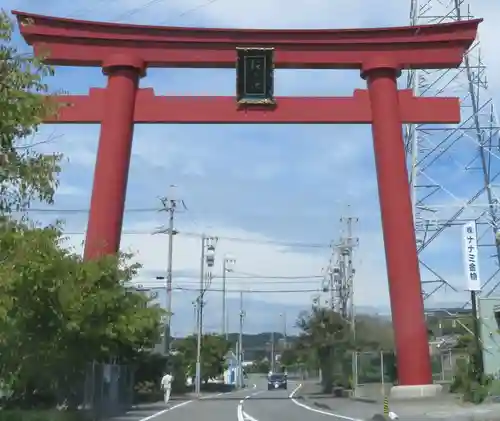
(125, 52)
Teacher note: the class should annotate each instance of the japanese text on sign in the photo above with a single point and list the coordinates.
(471, 261)
(255, 75)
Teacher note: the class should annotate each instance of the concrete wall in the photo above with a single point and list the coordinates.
(490, 334)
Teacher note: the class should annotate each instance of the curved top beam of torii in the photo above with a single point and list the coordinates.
(85, 43)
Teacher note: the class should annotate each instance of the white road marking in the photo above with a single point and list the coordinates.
(239, 411)
(248, 417)
(210, 396)
(164, 411)
(319, 411)
(223, 393)
(242, 415)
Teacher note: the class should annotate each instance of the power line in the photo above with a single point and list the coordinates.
(232, 239)
(79, 13)
(268, 279)
(257, 276)
(86, 211)
(302, 278)
(251, 291)
(246, 282)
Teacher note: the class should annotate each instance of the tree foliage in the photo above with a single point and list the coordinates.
(327, 341)
(325, 334)
(149, 372)
(25, 174)
(213, 352)
(58, 312)
(262, 367)
(449, 325)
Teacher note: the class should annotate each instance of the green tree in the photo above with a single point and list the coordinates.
(327, 335)
(326, 342)
(58, 312)
(290, 357)
(262, 367)
(150, 370)
(374, 333)
(445, 324)
(213, 352)
(25, 175)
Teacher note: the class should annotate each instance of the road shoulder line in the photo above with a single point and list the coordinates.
(318, 411)
(164, 411)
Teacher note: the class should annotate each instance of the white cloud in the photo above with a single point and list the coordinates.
(69, 190)
(268, 14)
(256, 255)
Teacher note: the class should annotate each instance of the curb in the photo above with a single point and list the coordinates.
(321, 405)
(364, 400)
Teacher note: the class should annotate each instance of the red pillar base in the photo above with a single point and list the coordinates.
(416, 391)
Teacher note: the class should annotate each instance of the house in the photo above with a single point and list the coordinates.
(232, 370)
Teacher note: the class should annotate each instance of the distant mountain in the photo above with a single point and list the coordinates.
(260, 316)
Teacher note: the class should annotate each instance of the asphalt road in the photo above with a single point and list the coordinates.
(254, 403)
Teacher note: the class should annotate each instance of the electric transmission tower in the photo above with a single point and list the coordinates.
(454, 169)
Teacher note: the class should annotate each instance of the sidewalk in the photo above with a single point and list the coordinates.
(446, 407)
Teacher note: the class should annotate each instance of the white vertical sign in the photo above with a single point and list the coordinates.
(471, 261)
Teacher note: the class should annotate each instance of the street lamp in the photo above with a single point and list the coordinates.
(210, 256)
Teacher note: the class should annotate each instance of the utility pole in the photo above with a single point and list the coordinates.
(207, 257)
(331, 277)
(283, 331)
(226, 263)
(476, 328)
(170, 205)
(331, 274)
(195, 316)
(240, 343)
(273, 368)
(347, 245)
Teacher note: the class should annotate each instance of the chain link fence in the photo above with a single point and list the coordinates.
(444, 366)
(108, 390)
(374, 373)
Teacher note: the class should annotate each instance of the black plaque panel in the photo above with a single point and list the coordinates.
(255, 76)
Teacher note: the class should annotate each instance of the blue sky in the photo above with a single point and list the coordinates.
(261, 183)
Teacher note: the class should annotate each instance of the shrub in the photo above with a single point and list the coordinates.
(474, 388)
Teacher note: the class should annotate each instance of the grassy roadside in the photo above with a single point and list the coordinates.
(40, 415)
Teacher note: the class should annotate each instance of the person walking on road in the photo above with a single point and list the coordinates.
(166, 385)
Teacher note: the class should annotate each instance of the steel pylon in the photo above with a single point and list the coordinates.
(454, 170)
